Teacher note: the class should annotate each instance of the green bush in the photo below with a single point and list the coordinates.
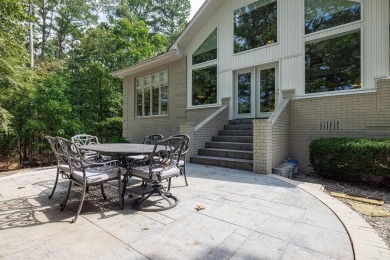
(109, 129)
(350, 158)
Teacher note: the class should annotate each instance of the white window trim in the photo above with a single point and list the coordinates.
(329, 33)
(150, 86)
(202, 65)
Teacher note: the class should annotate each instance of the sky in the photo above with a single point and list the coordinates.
(195, 5)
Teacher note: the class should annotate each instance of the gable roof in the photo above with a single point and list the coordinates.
(175, 52)
(208, 8)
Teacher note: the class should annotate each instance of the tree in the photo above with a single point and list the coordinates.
(167, 17)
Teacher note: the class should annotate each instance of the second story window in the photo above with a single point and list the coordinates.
(255, 25)
(325, 14)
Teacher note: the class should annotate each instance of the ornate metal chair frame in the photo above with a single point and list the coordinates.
(183, 156)
(63, 167)
(152, 139)
(159, 165)
(85, 173)
(85, 139)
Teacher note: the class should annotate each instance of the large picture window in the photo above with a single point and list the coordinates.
(333, 63)
(324, 14)
(204, 86)
(255, 25)
(152, 95)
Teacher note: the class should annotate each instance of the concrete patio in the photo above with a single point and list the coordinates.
(246, 216)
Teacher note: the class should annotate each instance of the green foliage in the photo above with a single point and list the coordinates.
(109, 129)
(70, 89)
(166, 17)
(350, 158)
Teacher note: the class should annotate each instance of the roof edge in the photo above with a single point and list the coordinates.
(161, 59)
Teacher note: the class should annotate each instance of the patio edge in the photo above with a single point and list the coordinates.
(366, 243)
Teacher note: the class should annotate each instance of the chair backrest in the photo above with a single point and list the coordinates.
(57, 150)
(84, 139)
(166, 152)
(152, 139)
(73, 154)
(186, 143)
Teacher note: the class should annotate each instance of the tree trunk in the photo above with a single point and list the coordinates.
(31, 38)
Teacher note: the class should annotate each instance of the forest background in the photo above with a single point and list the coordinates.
(56, 57)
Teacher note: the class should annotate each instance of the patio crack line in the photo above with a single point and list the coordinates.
(352, 222)
(268, 235)
(104, 230)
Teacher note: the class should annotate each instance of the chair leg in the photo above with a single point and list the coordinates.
(55, 184)
(102, 189)
(81, 203)
(62, 206)
(169, 184)
(185, 175)
(119, 189)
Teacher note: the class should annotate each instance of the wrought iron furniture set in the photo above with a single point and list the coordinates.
(160, 161)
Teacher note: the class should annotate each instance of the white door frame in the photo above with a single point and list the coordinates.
(255, 90)
(252, 93)
(260, 114)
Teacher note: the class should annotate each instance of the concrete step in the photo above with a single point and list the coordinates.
(233, 139)
(240, 164)
(235, 132)
(241, 121)
(248, 155)
(239, 127)
(230, 146)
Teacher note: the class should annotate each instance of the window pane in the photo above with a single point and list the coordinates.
(155, 78)
(324, 14)
(255, 25)
(164, 77)
(147, 101)
(164, 99)
(267, 90)
(204, 86)
(156, 101)
(147, 80)
(139, 102)
(333, 64)
(207, 51)
(140, 82)
(244, 93)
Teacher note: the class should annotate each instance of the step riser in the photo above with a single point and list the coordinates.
(226, 154)
(238, 127)
(231, 146)
(241, 121)
(225, 164)
(235, 132)
(235, 139)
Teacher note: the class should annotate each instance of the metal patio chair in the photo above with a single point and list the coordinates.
(158, 166)
(63, 167)
(85, 139)
(183, 156)
(152, 139)
(85, 174)
(149, 139)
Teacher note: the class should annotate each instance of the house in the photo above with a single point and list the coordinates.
(253, 82)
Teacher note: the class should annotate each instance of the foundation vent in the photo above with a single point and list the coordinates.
(329, 125)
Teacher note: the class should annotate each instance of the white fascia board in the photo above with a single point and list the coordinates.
(159, 60)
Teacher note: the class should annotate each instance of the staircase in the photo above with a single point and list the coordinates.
(232, 148)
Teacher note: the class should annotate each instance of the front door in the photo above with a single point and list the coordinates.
(267, 90)
(245, 102)
(256, 91)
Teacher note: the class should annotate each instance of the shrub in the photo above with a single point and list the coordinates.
(109, 129)
(350, 158)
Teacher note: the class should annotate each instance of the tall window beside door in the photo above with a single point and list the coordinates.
(205, 72)
(152, 95)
